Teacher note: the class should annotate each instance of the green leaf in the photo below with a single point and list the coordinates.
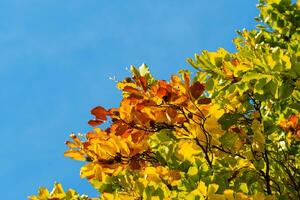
(296, 95)
(249, 76)
(259, 164)
(210, 84)
(272, 87)
(285, 90)
(228, 120)
(228, 139)
(135, 71)
(295, 106)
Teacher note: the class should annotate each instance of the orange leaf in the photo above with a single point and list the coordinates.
(163, 83)
(227, 72)
(140, 106)
(143, 81)
(172, 112)
(120, 130)
(161, 92)
(90, 135)
(235, 62)
(131, 90)
(99, 112)
(294, 120)
(182, 99)
(126, 133)
(137, 136)
(114, 111)
(160, 116)
(95, 122)
(175, 79)
(186, 77)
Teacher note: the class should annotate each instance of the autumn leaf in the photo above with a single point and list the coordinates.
(197, 90)
(100, 113)
(95, 122)
(71, 144)
(294, 120)
(143, 82)
(204, 101)
(75, 154)
(131, 90)
(213, 135)
(161, 92)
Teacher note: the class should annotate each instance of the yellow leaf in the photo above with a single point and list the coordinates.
(270, 61)
(87, 170)
(244, 187)
(58, 191)
(71, 144)
(216, 111)
(124, 149)
(258, 196)
(34, 198)
(202, 188)
(212, 189)
(287, 61)
(155, 198)
(229, 194)
(43, 194)
(258, 137)
(192, 171)
(188, 150)
(75, 154)
(151, 174)
(214, 128)
(216, 197)
(107, 196)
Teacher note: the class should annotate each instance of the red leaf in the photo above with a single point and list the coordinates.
(204, 101)
(140, 106)
(114, 111)
(134, 165)
(197, 89)
(294, 120)
(172, 112)
(100, 113)
(126, 133)
(143, 81)
(134, 97)
(131, 90)
(95, 122)
(161, 92)
(236, 130)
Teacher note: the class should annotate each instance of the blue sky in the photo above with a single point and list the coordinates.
(56, 58)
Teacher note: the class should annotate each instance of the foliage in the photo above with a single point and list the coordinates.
(59, 193)
(232, 131)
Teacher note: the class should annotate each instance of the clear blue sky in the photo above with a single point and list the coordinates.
(56, 58)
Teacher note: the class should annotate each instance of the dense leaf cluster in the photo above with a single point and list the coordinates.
(231, 131)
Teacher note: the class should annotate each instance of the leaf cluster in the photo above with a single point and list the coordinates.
(230, 131)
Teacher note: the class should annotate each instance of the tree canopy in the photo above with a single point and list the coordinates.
(229, 129)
